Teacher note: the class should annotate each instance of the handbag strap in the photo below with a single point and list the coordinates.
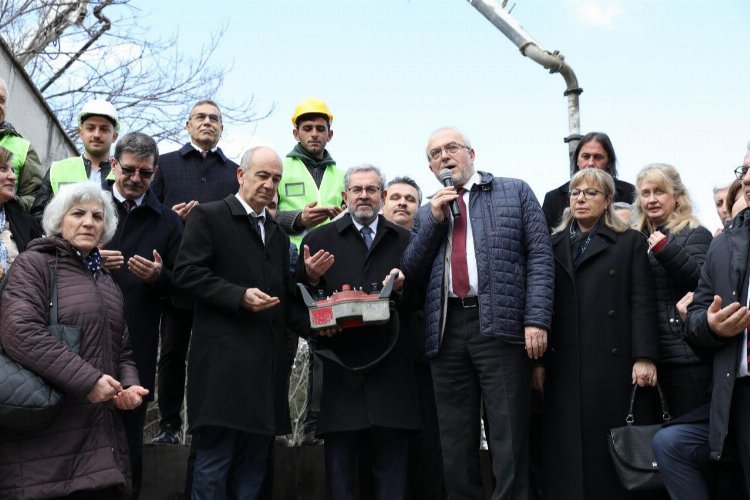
(665, 415)
(53, 291)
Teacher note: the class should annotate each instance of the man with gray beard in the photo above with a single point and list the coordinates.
(367, 397)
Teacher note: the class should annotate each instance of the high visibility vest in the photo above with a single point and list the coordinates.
(297, 189)
(20, 148)
(69, 171)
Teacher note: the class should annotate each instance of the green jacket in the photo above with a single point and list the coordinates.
(297, 189)
(26, 165)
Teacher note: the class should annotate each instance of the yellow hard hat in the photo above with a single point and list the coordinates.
(311, 105)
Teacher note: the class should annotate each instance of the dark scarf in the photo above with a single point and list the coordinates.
(579, 241)
(93, 261)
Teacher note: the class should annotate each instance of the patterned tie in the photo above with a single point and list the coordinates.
(129, 205)
(367, 235)
(459, 267)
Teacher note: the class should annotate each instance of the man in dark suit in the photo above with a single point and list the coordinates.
(197, 173)
(368, 396)
(234, 263)
(141, 257)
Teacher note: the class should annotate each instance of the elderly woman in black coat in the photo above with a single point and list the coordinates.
(603, 339)
(677, 249)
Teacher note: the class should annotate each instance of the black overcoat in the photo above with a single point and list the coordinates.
(385, 395)
(148, 227)
(238, 363)
(604, 319)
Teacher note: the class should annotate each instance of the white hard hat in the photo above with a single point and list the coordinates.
(99, 107)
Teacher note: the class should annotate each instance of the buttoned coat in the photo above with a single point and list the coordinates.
(604, 319)
(148, 227)
(237, 364)
(386, 394)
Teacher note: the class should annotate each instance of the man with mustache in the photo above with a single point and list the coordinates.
(367, 396)
(198, 172)
(402, 200)
(141, 257)
(98, 127)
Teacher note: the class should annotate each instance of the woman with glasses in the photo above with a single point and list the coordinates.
(595, 150)
(603, 340)
(677, 249)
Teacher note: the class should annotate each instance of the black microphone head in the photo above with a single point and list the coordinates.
(446, 174)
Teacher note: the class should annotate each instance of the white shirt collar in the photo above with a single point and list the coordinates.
(373, 226)
(249, 209)
(200, 150)
(119, 197)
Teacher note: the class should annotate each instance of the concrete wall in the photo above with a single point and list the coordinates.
(299, 472)
(30, 114)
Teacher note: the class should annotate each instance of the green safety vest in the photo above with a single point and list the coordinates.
(20, 148)
(297, 189)
(69, 171)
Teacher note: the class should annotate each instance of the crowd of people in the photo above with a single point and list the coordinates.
(187, 269)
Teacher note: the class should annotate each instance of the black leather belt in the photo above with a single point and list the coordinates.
(465, 303)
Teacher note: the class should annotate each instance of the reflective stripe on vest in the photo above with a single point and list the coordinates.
(69, 171)
(297, 188)
(20, 148)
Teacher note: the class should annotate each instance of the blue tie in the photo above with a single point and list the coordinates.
(367, 235)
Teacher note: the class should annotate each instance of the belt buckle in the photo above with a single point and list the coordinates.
(469, 302)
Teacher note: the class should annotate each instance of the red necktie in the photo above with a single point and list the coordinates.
(129, 205)
(459, 268)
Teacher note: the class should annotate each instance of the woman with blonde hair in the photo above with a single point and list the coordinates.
(603, 340)
(677, 249)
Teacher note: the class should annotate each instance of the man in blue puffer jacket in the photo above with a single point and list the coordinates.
(488, 308)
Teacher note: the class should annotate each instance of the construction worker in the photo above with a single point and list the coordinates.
(98, 127)
(310, 191)
(27, 168)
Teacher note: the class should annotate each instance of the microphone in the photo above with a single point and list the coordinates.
(446, 177)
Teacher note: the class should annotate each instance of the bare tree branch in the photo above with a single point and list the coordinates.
(78, 50)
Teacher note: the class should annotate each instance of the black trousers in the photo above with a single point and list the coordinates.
(738, 421)
(176, 325)
(470, 368)
(389, 452)
(425, 456)
(134, 420)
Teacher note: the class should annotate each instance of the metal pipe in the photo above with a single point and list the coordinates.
(552, 61)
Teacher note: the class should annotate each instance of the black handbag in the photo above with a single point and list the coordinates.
(630, 448)
(27, 402)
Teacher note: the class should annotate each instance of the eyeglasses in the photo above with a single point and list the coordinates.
(589, 193)
(130, 171)
(370, 190)
(450, 148)
(213, 118)
(741, 171)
